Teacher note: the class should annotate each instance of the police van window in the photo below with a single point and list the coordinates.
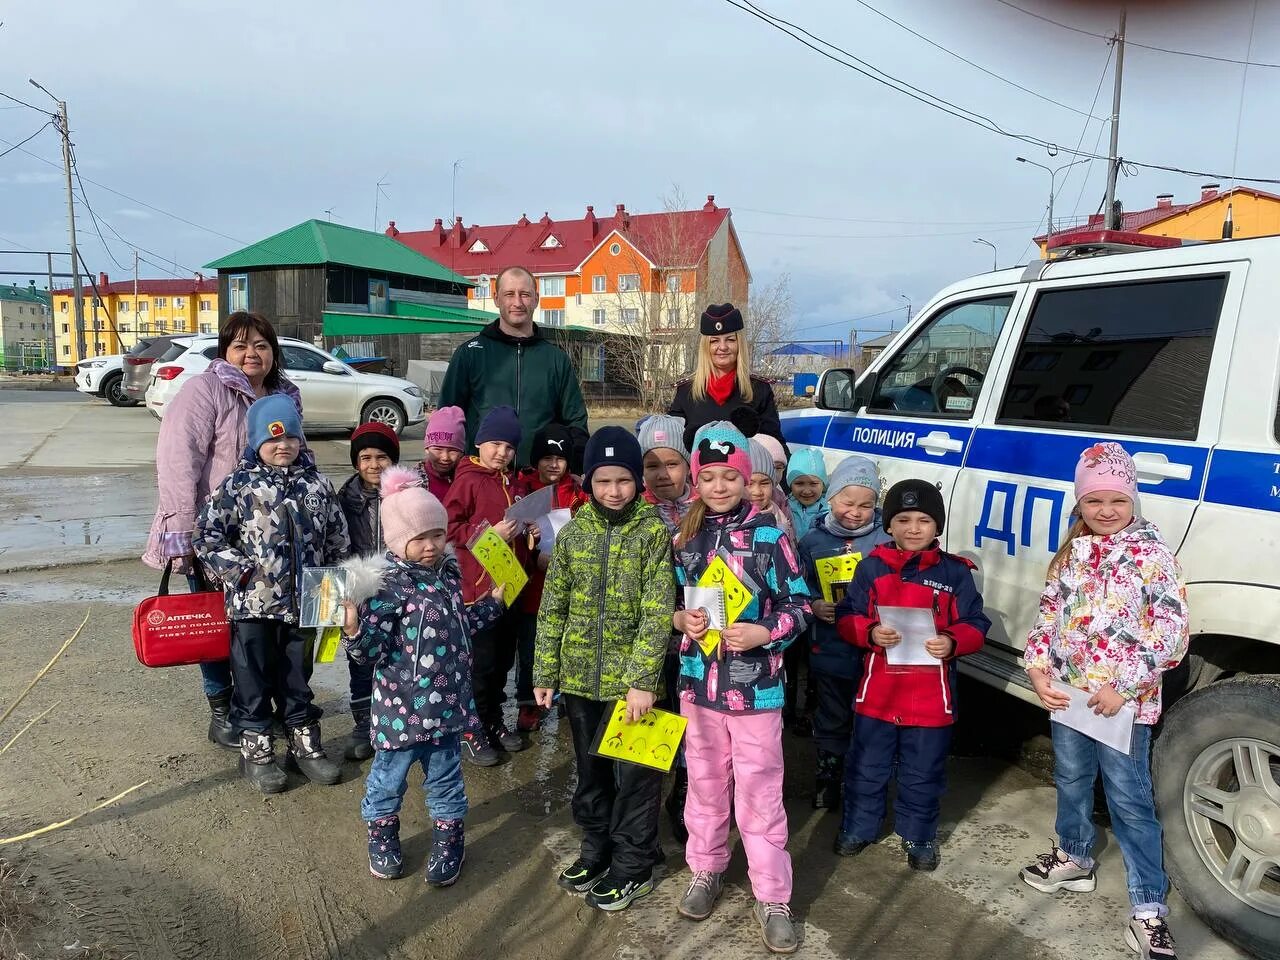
(1129, 358)
(939, 372)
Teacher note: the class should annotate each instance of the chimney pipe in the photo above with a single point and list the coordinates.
(1209, 191)
(1164, 200)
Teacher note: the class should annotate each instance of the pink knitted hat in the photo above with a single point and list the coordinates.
(408, 509)
(1106, 466)
(446, 427)
(721, 443)
(772, 445)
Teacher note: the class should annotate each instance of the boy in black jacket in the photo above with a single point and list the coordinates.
(374, 447)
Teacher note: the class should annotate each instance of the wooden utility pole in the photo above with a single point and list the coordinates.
(1111, 220)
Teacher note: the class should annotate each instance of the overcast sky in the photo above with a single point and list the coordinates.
(245, 118)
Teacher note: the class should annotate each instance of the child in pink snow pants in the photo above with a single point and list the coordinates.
(733, 695)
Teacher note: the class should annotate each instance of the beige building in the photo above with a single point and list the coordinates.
(26, 328)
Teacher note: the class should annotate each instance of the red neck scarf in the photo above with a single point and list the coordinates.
(720, 386)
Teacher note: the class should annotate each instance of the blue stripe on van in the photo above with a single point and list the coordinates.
(1053, 456)
(877, 437)
(1244, 479)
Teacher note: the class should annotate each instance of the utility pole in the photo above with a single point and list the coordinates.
(63, 128)
(1113, 170)
(136, 331)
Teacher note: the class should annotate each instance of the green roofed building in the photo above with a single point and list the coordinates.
(342, 287)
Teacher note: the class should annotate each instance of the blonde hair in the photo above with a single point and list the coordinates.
(692, 522)
(704, 368)
(1078, 529)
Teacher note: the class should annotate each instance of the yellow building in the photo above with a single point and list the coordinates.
(115, 316)
(1253, 213)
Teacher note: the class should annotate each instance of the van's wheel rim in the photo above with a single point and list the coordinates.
(386, 414)
(1231, 800)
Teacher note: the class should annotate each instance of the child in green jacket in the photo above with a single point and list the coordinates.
(602, 635)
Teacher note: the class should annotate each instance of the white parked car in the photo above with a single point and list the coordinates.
(103, 377)
(993, 392)
(334, 396)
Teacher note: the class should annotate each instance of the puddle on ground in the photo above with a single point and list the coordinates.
(62, 591)
(39, 534)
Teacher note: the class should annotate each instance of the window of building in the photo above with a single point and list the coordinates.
(591, 363)
(62, 307)
(917, 381)
(552, 286)
(673, 318)
(478, 247)
(630, 315)
(206, 328)
(97, 301)
(673, 283)
(615, 248)
(66, 350)
(143, 306)
(628, 282)
(161, 302)
(599, 283)
(122, 327)
(206, 306)
(599, 316)
(551, 243)
(238, 292)
(179, 303)
(1130, 357)
(66, 328)
(122, 307)
(553, 318)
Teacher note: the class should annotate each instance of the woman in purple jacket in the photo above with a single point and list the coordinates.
(201, 439)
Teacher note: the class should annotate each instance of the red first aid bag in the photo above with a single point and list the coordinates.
(172, 630)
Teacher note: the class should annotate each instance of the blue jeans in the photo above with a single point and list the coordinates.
(1126, 780)
(442, 780)
(217, 674)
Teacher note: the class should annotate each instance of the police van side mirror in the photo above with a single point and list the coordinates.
(836, 390)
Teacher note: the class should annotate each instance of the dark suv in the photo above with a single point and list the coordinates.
(138, 364)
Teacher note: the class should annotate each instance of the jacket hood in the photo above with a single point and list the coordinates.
(494, 332)
(1140, 531)
(896, 559)
(355, 492)
(469, 465)
(233, 378)
(746, 515)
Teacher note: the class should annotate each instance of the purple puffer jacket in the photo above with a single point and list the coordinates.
(202, 438)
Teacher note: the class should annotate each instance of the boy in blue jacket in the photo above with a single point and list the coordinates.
(273, 515)
(851, 528)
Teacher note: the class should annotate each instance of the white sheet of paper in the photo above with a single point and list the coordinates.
(916, 626)
(1115, 732)
(551, 524)
(529, 508)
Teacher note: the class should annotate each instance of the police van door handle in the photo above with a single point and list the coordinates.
(1154, 467)
(939, 443)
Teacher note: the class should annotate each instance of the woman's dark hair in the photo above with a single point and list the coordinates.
(243, 322)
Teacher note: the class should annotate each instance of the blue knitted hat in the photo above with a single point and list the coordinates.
(854, 471)
(500, 423)
(271, 417)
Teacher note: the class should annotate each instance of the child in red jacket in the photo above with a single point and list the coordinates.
(906, 712)
(484, 487)
(550, 455)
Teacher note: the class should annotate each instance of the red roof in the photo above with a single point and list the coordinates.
(152, 288)
(1134, 220)
(523, 242)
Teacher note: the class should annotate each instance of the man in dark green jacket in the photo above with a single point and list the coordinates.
(509, 362)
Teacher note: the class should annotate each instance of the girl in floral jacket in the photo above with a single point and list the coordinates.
(1113, 618)
(733, 695)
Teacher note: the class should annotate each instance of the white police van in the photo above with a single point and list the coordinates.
(1174, 351)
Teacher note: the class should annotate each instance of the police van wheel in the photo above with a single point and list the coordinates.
(1216, 768)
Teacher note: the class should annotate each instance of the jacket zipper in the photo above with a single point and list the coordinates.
(294, 572)
(519, 358)
(377, 525)
(604, 586)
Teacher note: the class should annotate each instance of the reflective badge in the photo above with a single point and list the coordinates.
(275, 428)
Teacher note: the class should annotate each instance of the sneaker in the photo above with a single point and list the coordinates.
(258, 762)
(847, 845)
(923, 855)
(307, 756)
(477, 749)
(444, 862)
(700, 899)
(385, 860)
(612, 893)
(1054, 871)
(1150, 938)
(530, 718)
(581, 875)
(504, 738)
(776, 927)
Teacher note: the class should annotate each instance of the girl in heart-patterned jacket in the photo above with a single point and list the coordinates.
(413, 626)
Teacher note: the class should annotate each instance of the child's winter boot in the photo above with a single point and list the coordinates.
(307, 756)
(444, 863)
(220, 731)
(359, 746)
(258, 762)
(826, 795)
(385, 861)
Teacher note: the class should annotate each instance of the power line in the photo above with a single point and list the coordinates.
(962, 113)
(1135, 43)
(977, 66)
(915, 223)
(880, 236)
(24, 103)
(18, 146)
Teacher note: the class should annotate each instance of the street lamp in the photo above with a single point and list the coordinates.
(994, 266)
(1053, 176)
(902, 296)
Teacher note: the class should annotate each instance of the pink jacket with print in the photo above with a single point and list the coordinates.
(1115, 612)
(202, 438)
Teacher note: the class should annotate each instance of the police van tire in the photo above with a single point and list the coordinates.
(1216, 766)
